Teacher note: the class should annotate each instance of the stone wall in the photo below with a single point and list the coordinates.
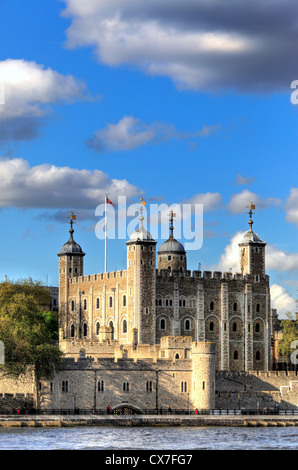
(256, 389)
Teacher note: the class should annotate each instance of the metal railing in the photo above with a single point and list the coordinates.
(159, 412)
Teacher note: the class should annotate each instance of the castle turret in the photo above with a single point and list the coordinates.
(141, 276)
(252, 251)
(171, 254)
(70, 265)
(203, 375)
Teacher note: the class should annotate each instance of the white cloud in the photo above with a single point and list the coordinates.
(276, 259)
(282, 301)
(52, 187)
(131, 132)
(242, 180)
(239, 202)
(29, 92)
(198, 44)
(292, 206)
(229, 260)
(210, 201)
(281, 260)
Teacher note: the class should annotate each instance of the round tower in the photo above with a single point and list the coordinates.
(171, 254)
(203, 375)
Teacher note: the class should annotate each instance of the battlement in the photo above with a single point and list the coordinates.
(98, 277)
(165, 274)
(167, 342)
(203, 347)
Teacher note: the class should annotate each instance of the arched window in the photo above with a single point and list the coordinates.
(100, 386)
(85, 329)
(97, 327)
(110, 301)
(124, 326)
(257, 327)
(97, 303)
(258, 356)
(72, 305)
(187, 325)
(211, 305)
(85, 304)
(177, 356)
(162, 324)
(234, 326)
(124, 301)
(235, 307)
(257, 307)
(211, 326)
(169, 258)
(112, 329)
(72, 331)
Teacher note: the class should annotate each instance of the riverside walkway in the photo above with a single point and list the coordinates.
(148, 420)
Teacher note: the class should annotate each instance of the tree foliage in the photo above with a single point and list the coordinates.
(27, 330)
(289, 335)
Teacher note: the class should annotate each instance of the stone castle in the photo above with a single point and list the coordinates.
(156, 335)
(143, 304)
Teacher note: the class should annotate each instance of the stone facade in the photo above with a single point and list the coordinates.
(152, 336)
(144, 303)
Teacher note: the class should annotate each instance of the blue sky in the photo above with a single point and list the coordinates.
(173, 103)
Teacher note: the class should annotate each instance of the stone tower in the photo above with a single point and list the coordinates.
(256, 346)
(141, 278)
(203, 375)
(252, 252)
(70, 265)
(171, 254)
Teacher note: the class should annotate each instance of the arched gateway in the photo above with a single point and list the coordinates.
(126, 410)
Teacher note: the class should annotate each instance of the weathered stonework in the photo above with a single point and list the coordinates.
(152, 336)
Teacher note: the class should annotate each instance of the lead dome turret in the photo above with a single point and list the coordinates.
(171, 254)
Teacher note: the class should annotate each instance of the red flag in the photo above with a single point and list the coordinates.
(110, 202)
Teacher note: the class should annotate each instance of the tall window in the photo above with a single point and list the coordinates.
(148, 386)
(125, 386)
(97, 303)
(64, 386)
(110, 301)
(85, 304)
(124, 301)
(85, 329)
(111, 325)
(97, 327)
(124, 326)
(100, 386)
(72, 331)
(72, 305)
(162, 325)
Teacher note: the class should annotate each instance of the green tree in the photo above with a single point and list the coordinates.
(289, 329)
(27, 331)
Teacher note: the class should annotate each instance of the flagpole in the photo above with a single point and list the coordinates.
(106, 226)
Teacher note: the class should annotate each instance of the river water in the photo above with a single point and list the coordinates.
(149, 438)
